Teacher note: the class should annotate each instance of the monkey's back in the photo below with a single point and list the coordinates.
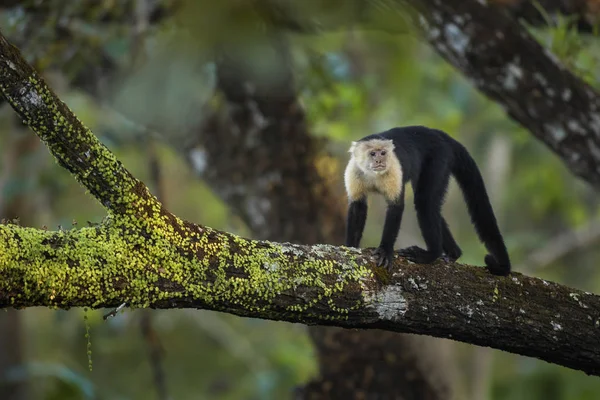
(413, 144)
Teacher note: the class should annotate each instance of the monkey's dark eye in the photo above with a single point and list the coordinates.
(383, 152)
(373, 154)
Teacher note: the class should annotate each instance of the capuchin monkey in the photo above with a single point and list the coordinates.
(384, 162)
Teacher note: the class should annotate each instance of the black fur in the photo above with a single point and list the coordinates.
(428, 157)
(357, 215)
(393, 219)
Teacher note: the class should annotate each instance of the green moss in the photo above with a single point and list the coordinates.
(150, 262)
(382, 275)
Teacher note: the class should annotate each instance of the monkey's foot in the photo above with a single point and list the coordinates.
(446, 258)
(384, 258)
(494, 267)
(452, 255)
(418, 255)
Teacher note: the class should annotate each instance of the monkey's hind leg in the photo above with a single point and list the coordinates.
(429, 196)
(451, 249)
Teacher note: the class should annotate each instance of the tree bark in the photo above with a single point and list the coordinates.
(585, 13)
(197, 267)
(508, 65)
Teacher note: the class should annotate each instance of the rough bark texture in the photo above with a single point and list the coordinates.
(145, 256)
(585, 13)
(280, 180)
(506, 64)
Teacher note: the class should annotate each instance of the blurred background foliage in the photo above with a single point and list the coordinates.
(152, 69)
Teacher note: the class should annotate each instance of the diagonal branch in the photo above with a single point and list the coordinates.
(506, 64)
(585, 13)
(562, 244)
(70, 142)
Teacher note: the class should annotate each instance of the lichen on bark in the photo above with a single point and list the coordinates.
(173, 263)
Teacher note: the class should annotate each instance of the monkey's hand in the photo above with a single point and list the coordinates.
(384, 258)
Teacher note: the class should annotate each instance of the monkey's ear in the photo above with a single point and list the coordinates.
(390, 144)
(352, 147)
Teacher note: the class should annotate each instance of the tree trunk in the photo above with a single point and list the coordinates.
(15, 203)
(265, 164)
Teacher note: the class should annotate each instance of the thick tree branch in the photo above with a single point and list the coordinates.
(321, 284)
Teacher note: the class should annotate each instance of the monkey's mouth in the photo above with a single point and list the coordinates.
(378, 168)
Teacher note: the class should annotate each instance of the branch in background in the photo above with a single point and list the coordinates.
(330, 15)
(585, 13)
(506, 64)
(155, 352)
(562, 244)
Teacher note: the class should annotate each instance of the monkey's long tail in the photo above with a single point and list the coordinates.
(469, 179)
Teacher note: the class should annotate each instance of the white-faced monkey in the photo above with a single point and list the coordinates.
(384, 162)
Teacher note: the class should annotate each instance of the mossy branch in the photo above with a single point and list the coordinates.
(72, 144)
(147, 257)
(188, 266)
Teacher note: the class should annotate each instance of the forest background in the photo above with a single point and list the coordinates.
(229, 112)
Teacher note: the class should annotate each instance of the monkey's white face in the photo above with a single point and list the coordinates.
(378, 160)
(373, 156)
